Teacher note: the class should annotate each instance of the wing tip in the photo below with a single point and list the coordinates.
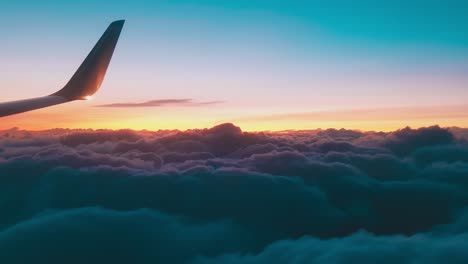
(119, 23)
(89, 76)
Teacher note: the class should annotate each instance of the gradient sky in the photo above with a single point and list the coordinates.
(268, 64)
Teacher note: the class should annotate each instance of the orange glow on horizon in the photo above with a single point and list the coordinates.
(77, 116)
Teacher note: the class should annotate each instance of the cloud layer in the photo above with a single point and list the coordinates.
(221, 195)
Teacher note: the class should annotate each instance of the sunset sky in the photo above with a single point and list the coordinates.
(234, 131)
(263, 65)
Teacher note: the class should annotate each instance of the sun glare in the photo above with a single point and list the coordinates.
(89, 97)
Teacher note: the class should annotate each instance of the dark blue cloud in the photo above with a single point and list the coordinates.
(221, 195)
(357, 248)
(97, 235)
(406, 140)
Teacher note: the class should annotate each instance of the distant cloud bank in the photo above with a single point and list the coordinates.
(160, 103)
(221, 195)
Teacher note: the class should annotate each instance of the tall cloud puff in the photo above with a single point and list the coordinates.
(222, 195)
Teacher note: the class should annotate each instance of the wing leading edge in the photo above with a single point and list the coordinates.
(85, 82)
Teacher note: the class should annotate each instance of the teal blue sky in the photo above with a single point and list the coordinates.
(268, 55)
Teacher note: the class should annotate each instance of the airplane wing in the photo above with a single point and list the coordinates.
(83, 84)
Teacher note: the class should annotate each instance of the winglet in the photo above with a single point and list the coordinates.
(89, 76)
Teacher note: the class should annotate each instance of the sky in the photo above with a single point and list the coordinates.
(263, 65)
(225, 192)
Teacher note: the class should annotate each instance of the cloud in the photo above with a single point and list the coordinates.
(97, 235)
(358, 248)
(221, 195)
(160, 103)
(406, 140)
